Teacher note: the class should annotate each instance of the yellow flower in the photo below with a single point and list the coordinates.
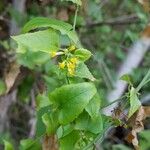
(71, 47)
(74, 60)
(71, 72)
(70, 65)
(53, 54)
(62, 65)
(71, 68)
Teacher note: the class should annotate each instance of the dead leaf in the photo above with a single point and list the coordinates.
(11, 75)
(136, 122)
(146, 32)
(129, 137)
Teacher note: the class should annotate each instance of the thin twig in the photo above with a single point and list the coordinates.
(75, 18)
(117, 100)
(145, 80)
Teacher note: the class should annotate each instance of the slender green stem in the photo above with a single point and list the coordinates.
(145, 80)
(75, 18)
(117, 100)
(67, 79)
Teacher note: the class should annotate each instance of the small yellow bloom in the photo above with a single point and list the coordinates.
(72, 48)
(70, 65)
(53, 54)
(71, 68)
(71, 72)
(62, 65)
(74, 60)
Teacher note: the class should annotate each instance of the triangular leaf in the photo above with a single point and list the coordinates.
(134, 102)
(82, 54)
(93, 107)
(72, 99)
(61, 26)
(86, 123)
(46, 41)
(82, 71)
(68, 142)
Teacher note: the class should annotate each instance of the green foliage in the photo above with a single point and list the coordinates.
(126, 78)
(40, 126)
(144, 139)
(8, 146)
(51, 122)
(42, 101)
(32, 59)
(71, 99)
(71, 111)
(46, 41)
(68, 142)
(82, 54)
(134, 102)
(82, 71)
(41, 22)
(30, 144)
(94, 106)
(86, 123)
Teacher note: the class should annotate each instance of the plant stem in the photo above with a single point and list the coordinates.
(119, 99)
(75, 18)
(67, 80)
(145, 80)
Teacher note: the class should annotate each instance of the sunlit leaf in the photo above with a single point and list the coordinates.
(46, 41)
(134, 102)
(82, 71)
(72, 99)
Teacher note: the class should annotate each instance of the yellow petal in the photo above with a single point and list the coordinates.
(74, 60)
(53, 54)
(72, 48)
(62, 65)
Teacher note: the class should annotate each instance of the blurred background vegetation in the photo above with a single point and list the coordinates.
(107, 28)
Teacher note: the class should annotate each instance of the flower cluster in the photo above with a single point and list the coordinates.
(70, 61)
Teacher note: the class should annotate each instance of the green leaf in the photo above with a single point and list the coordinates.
(78, 2)
(134, 102)
(61, 26)
(8, 145)
(68, 142)
(86, 123)
(65, 130)
(40, 126)
(42, 101)
(30, 144)
(2, 87)
(144, 137)
(82, 54)
(31, 59)
(93, 107)
(51, 122)
(72, 99)
(82, 71)
(46, 41)
(126, 78)
(40, 22)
